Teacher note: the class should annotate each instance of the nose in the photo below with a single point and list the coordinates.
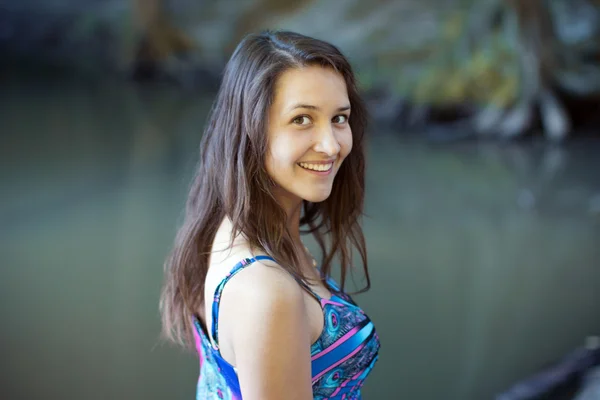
(327, 142)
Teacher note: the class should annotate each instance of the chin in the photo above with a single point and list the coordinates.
(317, 197)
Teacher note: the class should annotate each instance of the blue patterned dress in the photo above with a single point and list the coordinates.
(341, 358)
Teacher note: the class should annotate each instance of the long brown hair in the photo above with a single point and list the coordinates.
(231, 179)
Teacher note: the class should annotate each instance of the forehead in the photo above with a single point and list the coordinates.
(315, 85)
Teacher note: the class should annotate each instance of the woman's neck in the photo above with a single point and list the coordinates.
(293, 222)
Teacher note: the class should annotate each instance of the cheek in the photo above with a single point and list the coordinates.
(288, 148)
(270, 158)
(345, 141)
(279, 152)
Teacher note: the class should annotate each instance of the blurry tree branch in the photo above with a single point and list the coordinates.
(160, 40)
(535, 49)
(514, 60)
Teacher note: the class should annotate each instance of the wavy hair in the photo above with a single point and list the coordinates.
(231, 179)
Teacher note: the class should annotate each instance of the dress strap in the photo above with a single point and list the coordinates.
(333, 284)
(305, 286)
(219, 290)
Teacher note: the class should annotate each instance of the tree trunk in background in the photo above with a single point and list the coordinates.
(159, 41)
(536, 39)
(536, 47)
(537, 57)
(253, 20)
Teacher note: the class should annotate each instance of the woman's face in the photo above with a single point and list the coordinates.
(308, 133)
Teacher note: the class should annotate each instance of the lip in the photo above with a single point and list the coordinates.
(318, 162)
(319, 173)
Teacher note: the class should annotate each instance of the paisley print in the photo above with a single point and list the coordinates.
(341, 358)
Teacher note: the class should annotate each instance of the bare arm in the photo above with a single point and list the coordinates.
(264, 324)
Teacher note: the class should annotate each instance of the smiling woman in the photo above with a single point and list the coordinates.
(283, 148)
(308, 133)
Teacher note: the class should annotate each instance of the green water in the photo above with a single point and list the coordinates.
(484, 258)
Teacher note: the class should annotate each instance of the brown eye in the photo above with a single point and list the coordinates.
(340, 119)
(301, 120)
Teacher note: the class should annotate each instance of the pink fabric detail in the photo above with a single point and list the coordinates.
(328, 301)
(336, 343)
(340, 388)
(359, 374)
(359, 348)
(198, 345)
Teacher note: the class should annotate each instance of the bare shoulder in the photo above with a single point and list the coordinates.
(263, 284)
(263, 312)
(262, 298)
(263, 278)
(260, 287)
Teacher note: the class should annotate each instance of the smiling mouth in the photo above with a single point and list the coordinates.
(317, 167)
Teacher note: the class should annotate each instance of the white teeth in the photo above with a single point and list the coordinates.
(317, 167)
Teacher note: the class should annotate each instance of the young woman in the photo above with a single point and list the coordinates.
(283, 148)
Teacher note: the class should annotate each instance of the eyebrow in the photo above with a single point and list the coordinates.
(311, 107)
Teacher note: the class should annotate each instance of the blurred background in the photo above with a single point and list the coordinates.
(483, 187)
